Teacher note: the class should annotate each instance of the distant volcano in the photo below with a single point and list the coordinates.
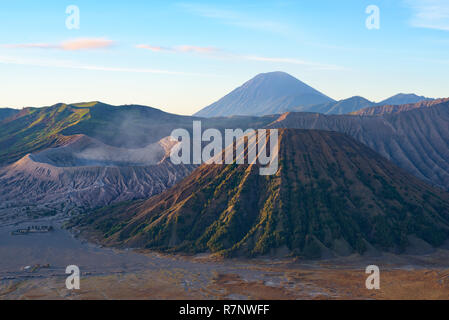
(266, 93)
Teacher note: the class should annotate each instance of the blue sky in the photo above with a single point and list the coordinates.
(181, 56)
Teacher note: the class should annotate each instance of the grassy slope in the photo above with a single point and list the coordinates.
(35, 129)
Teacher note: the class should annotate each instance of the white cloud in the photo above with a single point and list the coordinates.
(431, 14)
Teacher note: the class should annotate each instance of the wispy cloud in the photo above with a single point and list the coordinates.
(310, 64)
(69, 45)
(222, 54)
(86, 44)
(75, 65)
(29, 45)
(232, 17)
(431, 14)
(179, 49)
(153, 48)
(197, 49)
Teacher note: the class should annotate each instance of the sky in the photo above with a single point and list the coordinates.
(180, 56)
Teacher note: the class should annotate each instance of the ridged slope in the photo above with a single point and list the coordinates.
(331, 195)
(416, 140)
(391, 109)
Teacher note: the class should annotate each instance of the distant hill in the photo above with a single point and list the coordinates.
(266, 93)
(416, 140)
(7, 112)
(35, 129)
(331, 196)
(390, 109)
(341, 107)
(403, 98)
(357, 103)
(129, 126)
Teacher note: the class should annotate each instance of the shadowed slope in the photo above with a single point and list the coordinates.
(7, 112)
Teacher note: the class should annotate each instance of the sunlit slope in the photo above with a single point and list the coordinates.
(128, 126)
(35, 129)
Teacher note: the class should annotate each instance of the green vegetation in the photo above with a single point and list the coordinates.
(37, 129)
